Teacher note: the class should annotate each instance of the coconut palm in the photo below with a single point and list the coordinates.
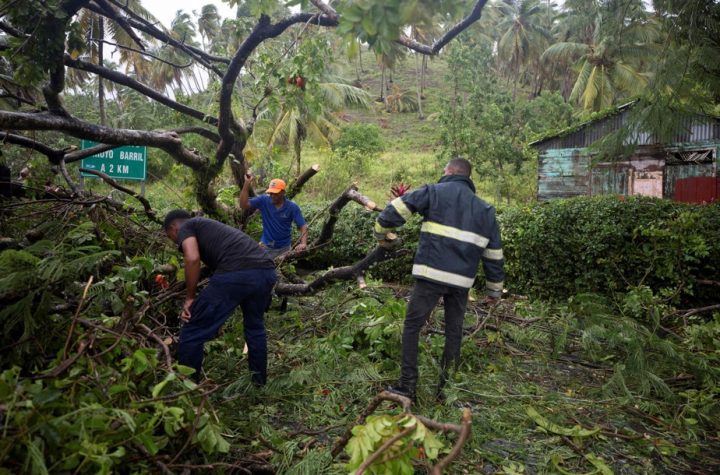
(609, 65)
(523, 35)
(208, 24)
(98, 30)
(295, 122)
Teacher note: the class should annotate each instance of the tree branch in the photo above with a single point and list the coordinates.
(54, 155)
(146, 204)
(404, 402)
(208, 134)
(68, 179)
(119, 78)
(167, 141)
(474, 16)
(388, 443)
(325, 8)
(77, 155)
(112, 13)
(262, 31)
(140, 23)
(144, 53)
(297, 185)
(464, 436)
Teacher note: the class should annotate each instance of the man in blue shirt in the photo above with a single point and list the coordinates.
(278, 213)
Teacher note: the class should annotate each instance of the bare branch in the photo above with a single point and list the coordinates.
(10, 30)
(208, 134)
(77, 155)
(448, 36)
(359, 198)
(146, 204)
(54, 155)
(144, 53)
(140, 23)
(144, 89)
(68, 179)
(167, 141)
(297, 185)
(112, 13)
(325, 8)
(379, 254)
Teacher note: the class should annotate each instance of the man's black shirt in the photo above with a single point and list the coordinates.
(224, 248)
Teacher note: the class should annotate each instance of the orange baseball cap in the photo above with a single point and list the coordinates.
(276, 186)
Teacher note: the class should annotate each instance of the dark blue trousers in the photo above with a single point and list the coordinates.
(250, 289)
(424, 297)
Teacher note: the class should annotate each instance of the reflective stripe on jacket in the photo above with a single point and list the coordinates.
(458, 231)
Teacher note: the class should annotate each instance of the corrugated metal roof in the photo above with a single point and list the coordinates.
(693, 129)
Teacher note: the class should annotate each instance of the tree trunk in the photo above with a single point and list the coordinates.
(382, 83)
(297, 148)
(423, 75)
(362, 70)
(101, 84)
(418, 86)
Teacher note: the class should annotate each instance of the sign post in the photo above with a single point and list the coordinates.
(127, 162)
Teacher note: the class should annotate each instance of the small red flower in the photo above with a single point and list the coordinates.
(161, 281)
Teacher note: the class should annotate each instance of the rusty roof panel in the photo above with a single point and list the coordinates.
(693, 129)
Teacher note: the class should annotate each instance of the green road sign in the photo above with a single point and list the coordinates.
(127, 162)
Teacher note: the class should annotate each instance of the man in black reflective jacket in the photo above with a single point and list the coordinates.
(459, 230)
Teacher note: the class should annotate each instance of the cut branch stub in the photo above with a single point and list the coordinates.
(297, 185)
(369, 204)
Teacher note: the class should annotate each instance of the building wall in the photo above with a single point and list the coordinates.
(651, 171)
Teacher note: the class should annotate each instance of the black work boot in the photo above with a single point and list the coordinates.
(440, 393)
(403, 389)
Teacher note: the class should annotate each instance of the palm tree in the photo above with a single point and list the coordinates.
(98, 29)
(523, 35)
(609, 63)
(295, 121)
(208, 24)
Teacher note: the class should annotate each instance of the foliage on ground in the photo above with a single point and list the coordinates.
(618, 383)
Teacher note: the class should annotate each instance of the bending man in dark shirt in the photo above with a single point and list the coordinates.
(242, 274)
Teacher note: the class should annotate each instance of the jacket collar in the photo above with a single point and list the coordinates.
(458, 178)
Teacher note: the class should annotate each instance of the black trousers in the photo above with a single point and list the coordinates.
(424, 297)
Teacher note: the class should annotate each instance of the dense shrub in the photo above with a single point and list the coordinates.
(556, 249)
(608, 243)
(363, 138)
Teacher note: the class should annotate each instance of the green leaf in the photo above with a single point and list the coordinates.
(599, 464)
(148, 442)
(575, 431)
(157, 389)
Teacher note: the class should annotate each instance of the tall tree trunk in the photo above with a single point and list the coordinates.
(101, 84)
(362, 70)
(418, 82)
(297, 146)
(195, 78)
(423, 75)
(382, 83)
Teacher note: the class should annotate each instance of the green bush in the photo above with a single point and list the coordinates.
(609, 243)
(362, 138)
